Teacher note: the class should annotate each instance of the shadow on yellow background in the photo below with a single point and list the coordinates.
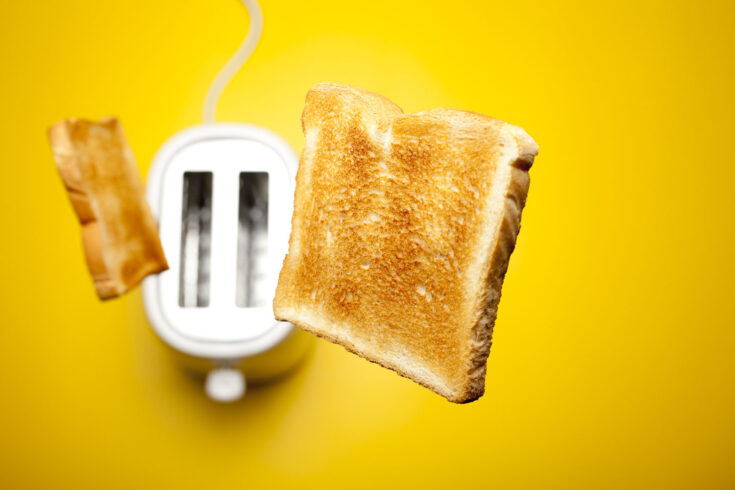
(612, 364)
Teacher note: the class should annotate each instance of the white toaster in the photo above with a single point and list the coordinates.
(223, 197)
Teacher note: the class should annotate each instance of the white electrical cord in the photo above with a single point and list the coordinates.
(236, 62)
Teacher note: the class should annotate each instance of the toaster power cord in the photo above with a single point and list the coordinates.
(236, 62)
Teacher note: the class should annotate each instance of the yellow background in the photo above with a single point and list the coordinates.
(614, 350)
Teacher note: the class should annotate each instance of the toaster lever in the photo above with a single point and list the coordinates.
(225, 384)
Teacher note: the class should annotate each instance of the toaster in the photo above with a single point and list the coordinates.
(223, 197)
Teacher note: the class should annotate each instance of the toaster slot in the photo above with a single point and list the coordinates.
(196, 232)
(252, 241)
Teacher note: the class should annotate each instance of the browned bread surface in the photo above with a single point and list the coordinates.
(119, 233)
(401, 234)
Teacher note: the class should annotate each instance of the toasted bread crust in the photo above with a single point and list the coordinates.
(513, 202)
(119, 233)
(401, 234)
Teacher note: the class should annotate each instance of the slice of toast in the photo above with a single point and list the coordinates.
(119, 233)
(402, 230)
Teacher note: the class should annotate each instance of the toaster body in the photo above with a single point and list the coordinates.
(223, 197)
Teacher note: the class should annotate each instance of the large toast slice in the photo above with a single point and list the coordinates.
(402, 230)
(119, 233)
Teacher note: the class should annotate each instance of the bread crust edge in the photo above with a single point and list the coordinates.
(514, 200)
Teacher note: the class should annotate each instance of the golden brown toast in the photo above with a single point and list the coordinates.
(402, 230)
(119, 232)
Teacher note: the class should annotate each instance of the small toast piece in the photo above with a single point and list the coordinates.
(119, 233)
(402, 230)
